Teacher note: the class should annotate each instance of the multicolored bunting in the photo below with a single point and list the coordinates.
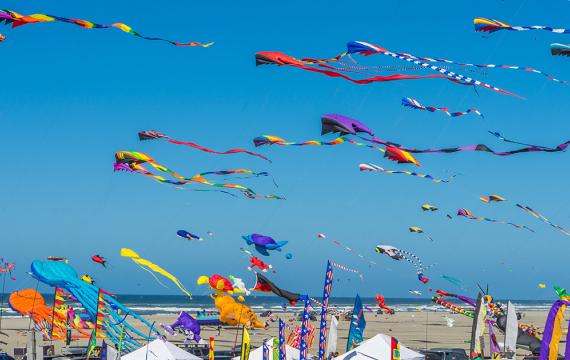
(373, 167)
(357, 325)
(303, 347)
(324, 310)
(541, 217)
(467, 214)
(490, 26)
(12, 17)
(414, 104)
(282, 349)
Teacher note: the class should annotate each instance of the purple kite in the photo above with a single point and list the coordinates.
(186, 325)
(333, 123)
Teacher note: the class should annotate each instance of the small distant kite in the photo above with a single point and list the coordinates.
(288, 256)
(414, 104)
(560, 49)
(2, 37)
(419, 230)
(381, 302)
(467, 214)
(490, 26)
(56, 258)
(492, 198)
(12, 17)
(373, 167)
(415, 292)
(321, 236)
(99, 260)
(263, 243)
(88, 279)
(542, 286)
(428, 207)
(187, 235)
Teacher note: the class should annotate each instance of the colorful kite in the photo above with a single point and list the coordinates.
(155, 135)
(263, 284)
(321, 236)
(56, 258)
(99, 260)
(186, 325)
(419, 230)
(263, 243)
(415, 292)
(560, 49)
(7, 268)
(256, 262)
(414, 104)
(12, 17)
(541, 217)
(490, 26)
(400, 156)
(239, 285)
(132, 162)
(381, 302)
(373, 167)
(88, 279)
(217, 282)
(188, 235)
(150, 267)
(492, 198)
(233, 314)
(398, 255)
(428, 207)
(467, 214)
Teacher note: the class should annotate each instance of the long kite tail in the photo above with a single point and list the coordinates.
(227, 152)
(541, 217)
(467, 214)
(16, 20)
(490, 26)
(373, 167)
(414, 104)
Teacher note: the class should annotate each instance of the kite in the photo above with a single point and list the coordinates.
(263, 243)
(99, 260)
(132, 162)
(490, 26)
(373, 167)
(492, 198)
(398, 255)
(55, 258)
(88, 279)
(560, 49)
(467, 214)
(186, 325)
(263, 284)
(7, 268)
(414, 104)
(400, 156)
(12, 17)
(380, 301)
(453, 280)
(257, 262)
(187, 235)
(288, 256)
(321, 236)
(428, 207)
(542, 286)
(419, 230)
(454, 308)
(541, 217)
(239, 285)
(232, 313)
(102, 308)
(155, 135)
(2, 37)
(415, 292)
(217, 282)
(335, 123)
(150, 267)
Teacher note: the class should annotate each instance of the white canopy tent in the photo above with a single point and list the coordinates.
(379, 348)
(159, 350)
(290, 352)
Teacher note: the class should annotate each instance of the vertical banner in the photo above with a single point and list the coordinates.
(303, 348)
(245, 345)
(282, 350)
(265, 350)
(395, 349)
(333, 336)
(93, 338)
(211, 352)
(324, 309)
(357, 325)
(275, 349)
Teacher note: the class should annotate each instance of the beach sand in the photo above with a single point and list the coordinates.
(416, 330)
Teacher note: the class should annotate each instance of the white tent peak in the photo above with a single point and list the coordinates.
(160, 350)
(379, 348)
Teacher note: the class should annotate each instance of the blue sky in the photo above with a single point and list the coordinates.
(72, 97)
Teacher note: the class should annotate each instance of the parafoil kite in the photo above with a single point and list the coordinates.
(263, 284)
(232, 313)
(155, 135)
(381, 302)
(400, 156)
(101, 307)
(492, 198)
(12, 17)
(99, 260)
(187, 235)
(186, 325)
(151, 267)
(490, 26)
(541, 217)
(263, 243)
(467, 214)
(414, 104)
(560, 49)
(132, 162)
(217, 282)
(398, 255)
(428, 207)
(419, 230)
(374, 167)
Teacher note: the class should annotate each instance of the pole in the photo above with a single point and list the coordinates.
(148, 338)
(2, 302)
(427, 320)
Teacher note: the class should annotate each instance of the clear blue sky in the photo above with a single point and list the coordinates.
(72, 97)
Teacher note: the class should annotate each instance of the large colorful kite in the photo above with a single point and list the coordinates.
(414, 104)
(373, 167)
(155, 135)
(12, 17)
(263, 243)
(186, 325)
(469, 215)
(232, 313)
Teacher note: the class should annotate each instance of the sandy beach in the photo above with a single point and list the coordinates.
(417, 330)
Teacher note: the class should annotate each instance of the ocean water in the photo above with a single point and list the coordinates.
(162, 304)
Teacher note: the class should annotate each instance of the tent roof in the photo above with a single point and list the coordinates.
(379, 348)
(257, 354)
(160, 350)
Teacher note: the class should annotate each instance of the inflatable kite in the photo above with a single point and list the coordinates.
(263, 284)
(541, 217)
(132, 162)
(185, 324)
(12, 17)
(233, 314)
(560, 49)
(263, 243)
(414, 104)
(381, 302)
(102, 308)
(239, 285)
(490, 26)
(155, 135)
(217, 282)
(492, 198)
(467, 214)
(398, 255)
(256, 262)
(150, 268)
(419, 230)
(373, 167)
(187, 235)
(99, 260)
(428, 207)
